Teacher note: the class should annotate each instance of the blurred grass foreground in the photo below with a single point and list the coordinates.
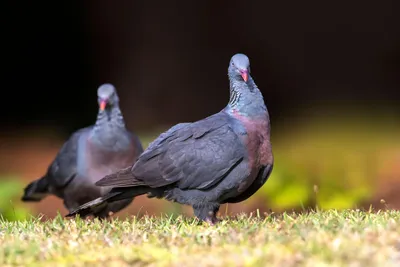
(333, 163)
(324, 238)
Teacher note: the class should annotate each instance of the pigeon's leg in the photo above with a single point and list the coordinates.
(207, 212)
(103, 214)
(205, 204)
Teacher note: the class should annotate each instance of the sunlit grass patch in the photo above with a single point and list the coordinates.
(335, 238)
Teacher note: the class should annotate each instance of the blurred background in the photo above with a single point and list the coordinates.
(329, 73)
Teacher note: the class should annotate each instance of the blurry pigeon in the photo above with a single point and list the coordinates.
(224, 158)
(89, 155)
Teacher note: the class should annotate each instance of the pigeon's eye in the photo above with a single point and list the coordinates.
(233, 64)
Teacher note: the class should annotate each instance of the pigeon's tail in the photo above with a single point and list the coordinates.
(36, 191)
(97, 205)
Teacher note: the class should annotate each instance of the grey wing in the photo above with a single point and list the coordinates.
(165, 134)
(63, 169)
(124, 177)
(194, 156)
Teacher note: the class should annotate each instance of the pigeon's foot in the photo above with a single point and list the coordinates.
(89, 218)
(212, 218)
(207, 212)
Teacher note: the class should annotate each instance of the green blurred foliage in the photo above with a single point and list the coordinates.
(328, 165)
(10, 192)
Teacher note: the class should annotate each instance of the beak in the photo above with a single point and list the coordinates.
(103, 104)
(245, 75)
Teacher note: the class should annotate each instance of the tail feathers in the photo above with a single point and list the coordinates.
(122, 178)
(97, 205)
(36, 191)
(92, 207)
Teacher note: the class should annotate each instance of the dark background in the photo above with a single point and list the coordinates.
(167, 56)
(332, 60)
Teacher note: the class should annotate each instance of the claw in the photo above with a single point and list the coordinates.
(88, 218)
(212, 220)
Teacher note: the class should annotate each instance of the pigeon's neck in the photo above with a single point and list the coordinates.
(246, 99)
(109, 124)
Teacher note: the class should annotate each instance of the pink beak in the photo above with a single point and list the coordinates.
(103, 104)
(245, 75)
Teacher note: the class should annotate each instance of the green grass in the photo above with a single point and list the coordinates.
(328, 238)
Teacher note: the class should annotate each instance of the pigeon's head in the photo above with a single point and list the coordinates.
(107, 96)
(239, 67)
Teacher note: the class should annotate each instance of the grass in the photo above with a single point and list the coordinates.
(323, 238)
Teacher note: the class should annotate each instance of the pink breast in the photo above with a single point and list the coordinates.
(104, 162)
(258, 146)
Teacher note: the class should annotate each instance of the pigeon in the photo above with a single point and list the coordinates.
(89, 154)
(224, 158)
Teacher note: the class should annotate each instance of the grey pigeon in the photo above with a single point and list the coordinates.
(224, 158)
(89, 155)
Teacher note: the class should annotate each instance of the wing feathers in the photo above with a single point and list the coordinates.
(122, 178)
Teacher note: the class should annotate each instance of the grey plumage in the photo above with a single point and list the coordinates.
(224, 158)
(87, 156)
